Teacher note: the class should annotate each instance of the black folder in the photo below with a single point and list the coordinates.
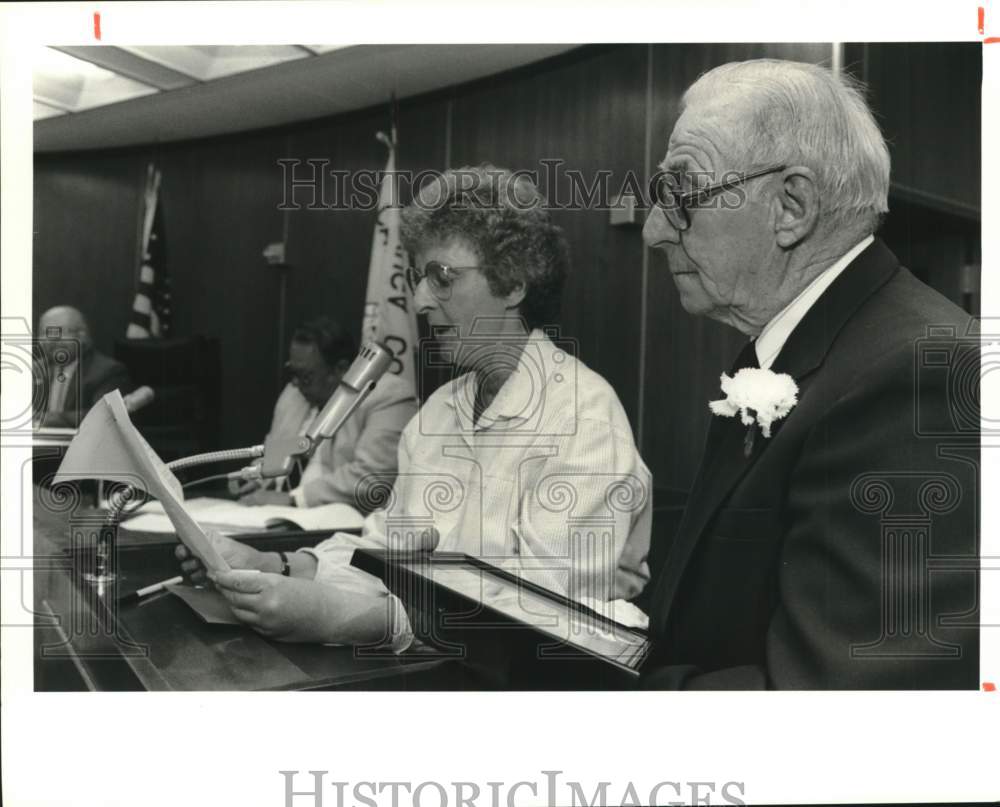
(461, 604)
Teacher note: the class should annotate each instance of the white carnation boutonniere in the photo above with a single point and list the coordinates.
(759, 396)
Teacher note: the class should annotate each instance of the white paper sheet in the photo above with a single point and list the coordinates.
(229, 517)
(108, 446)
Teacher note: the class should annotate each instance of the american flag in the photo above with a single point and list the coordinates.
(151, 310)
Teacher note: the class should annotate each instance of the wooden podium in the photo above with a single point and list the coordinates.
(87, 642)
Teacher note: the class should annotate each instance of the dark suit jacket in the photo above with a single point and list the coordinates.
(96, 375)
(842, 552)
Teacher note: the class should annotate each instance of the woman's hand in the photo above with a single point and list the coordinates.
(236, 554)
(291, 609)
(282, 608)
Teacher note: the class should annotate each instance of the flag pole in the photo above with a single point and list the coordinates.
(393, 116)
(389, 315)
(140, 225)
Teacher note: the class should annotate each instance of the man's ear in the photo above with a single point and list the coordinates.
(515, 296)
(797, 206)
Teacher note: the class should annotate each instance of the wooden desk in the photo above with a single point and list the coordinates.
(82, 642)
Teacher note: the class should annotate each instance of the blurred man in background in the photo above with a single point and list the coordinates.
(366, 446)
(72, 374)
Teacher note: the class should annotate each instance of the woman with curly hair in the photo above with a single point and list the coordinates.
(525, 458)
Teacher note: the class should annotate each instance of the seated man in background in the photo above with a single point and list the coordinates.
(366, 446)
(525, 459)
(72, 373)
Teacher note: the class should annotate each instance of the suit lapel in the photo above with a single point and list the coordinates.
(725, 463)
(812, 338)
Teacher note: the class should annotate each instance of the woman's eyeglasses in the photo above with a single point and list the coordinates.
(665, 192)
(440, 277)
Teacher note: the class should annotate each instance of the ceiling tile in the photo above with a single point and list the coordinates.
(42, 111)
(207, 62)
(65, 82)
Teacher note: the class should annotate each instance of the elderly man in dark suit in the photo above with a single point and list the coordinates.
(837, 545)
(73, 375)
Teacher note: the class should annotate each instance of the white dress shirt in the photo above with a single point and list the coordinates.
(313, 469)
(547, 484)
(365, 447)
(772, 339)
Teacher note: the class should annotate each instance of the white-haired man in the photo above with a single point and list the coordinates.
(839, 551)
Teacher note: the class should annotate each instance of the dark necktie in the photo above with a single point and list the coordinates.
(747, 357)
(295, 476)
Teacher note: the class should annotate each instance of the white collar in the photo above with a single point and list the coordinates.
(519, 395)
(772, 339)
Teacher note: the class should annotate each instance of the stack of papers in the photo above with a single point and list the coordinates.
(107, 446)
(230, 517)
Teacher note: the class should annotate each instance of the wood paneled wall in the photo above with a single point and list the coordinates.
(928, 99)
(606, 108)
(589, 115)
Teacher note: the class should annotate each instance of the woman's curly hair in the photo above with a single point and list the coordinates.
(502, 215)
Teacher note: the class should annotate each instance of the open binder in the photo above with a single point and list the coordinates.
(458, 603)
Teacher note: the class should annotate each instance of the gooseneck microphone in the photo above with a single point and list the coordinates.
(280, 453)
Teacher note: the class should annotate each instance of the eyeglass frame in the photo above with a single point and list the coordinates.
(298, 378)
(414, 276)
(683, 201)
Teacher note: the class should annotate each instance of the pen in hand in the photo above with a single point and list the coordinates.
(141, 593)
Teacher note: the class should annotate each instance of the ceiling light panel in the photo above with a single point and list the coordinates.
(125, 63)
(207, 62)
(42, 111)
(325, 48)
(65, 82)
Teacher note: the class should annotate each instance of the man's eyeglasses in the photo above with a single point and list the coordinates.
(440, 277)
(666, 192)
(299, 378)
(56, 332)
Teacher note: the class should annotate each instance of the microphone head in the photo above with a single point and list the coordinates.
(139, 398)
(373, 361)
(371, 364)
